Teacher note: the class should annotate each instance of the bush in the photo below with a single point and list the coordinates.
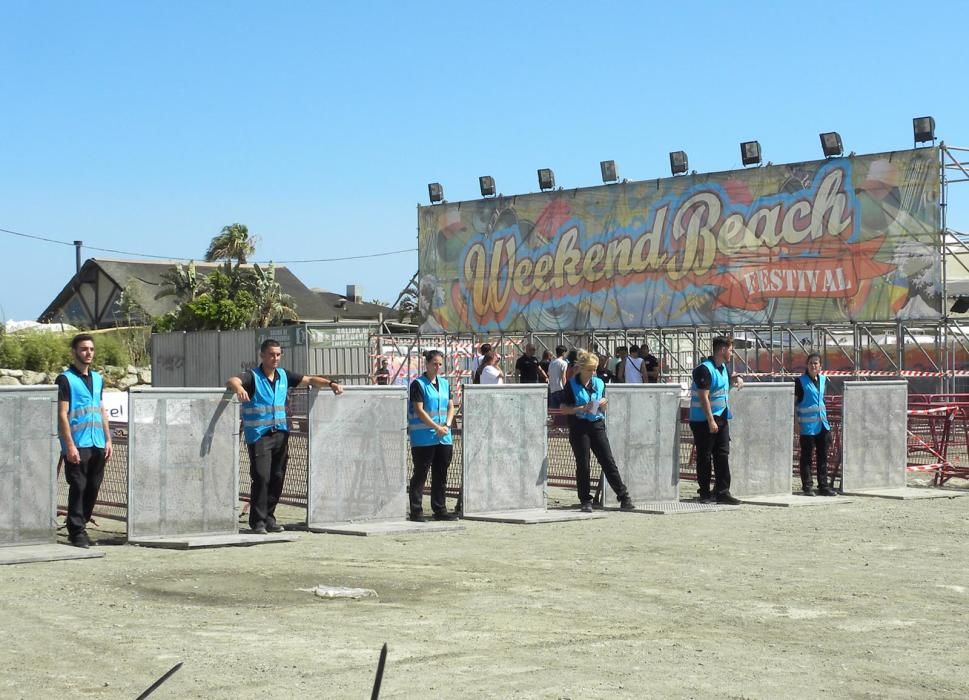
(44, 352)
(109, 350)
(11, 353)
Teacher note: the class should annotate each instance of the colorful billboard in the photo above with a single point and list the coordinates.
(844, 239)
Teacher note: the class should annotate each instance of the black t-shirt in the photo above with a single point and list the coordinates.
(651, 364)
(527, 368)
(702, 378)
(799, 388)
(417, 393)
(64, 385)
(605, 375)
(383, 376)
(249, 380)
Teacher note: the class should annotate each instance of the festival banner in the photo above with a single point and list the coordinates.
(843, 239)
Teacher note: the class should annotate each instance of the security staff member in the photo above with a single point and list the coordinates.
(263, 392)
(584, 401)
(85, 435)
(813, 426)
(430, 414)
(709, 421)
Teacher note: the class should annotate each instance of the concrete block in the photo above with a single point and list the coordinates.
(386, 527)
(643, 424)
(761, 440)
(34, 553)
(505, 448)
(28, 465)
(907, 494)
(681, 507)
(183, 457)
(358, 456)
(237, 539)
(791, 500)
(533, 516)
(874, 436)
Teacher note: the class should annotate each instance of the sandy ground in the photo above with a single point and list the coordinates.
(861, 599)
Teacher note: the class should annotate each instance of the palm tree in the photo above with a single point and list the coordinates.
(232, 243)
(272, 305)
(181, 282)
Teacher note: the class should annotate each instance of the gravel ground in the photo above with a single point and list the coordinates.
(862, 600)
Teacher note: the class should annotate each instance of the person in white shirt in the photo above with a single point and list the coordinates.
(556, 376)
(632, 370)
(476, 360)
(489, 372)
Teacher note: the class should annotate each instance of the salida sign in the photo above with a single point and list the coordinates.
(830, 240)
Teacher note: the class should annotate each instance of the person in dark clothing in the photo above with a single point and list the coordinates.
(430, 414)
(602, 371)
(813, 426)
(85, 436)
(650, 365)
(545, 362)
(584, 401)
(382, 375)
(709, 421)
(264, 394)
(528, 368)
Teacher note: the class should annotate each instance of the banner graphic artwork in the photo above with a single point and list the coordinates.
(819, 242)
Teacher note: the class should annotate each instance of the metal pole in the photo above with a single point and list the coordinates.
(77, 255)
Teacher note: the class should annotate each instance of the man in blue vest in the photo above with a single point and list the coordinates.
(82, 425)
(709, 421)
(263, 392)
(813, 426)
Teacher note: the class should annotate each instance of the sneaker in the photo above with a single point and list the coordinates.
(80, 540)
(258, 529)
(586, 507)
(727, 499)
(807, 491)
(827, 491)
(706, 498)
(627, 504)
(444, 515)
(275, 527)
(417, 517)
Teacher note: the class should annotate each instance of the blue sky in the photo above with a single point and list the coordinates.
(146, 127)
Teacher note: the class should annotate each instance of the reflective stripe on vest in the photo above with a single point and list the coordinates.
(719, 394)
(812, 414)
(266, 408)
(84, 412)
(584, 396)
(435, 403)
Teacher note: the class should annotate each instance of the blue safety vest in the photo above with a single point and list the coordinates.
(84, 412)
(266, 408)
(719, 394)
(584, 396)
(811, 412)
(435, 405)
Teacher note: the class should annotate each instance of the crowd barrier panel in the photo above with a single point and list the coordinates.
(761, 450)
(874, 451)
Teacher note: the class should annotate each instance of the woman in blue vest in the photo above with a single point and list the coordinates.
(430, 414)
(812, 420)
(264, 392)
(584, 402)
(709, 421)
(85, 435)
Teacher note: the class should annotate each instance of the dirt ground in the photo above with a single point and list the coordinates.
(862, 600)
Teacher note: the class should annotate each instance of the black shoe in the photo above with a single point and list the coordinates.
(827, 491)
(586, 507)
(275, 527)
(444, 515)
(627, 504)
(258, 529)
(725, 499)
(807, 491)
(417, 518)
(80, 540)
(706, 498)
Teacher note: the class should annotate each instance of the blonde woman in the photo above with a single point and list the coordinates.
(584, 402)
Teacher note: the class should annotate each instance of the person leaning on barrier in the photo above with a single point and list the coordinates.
(584, 401)
(85, 436)
(430, 413)
(813, 426)
(709, 421)
(264, 392)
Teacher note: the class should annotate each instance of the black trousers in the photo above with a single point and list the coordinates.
(808, 445)
(712, 449)
(268, 457)
(587, 435)
(84, 481)
(437, 458)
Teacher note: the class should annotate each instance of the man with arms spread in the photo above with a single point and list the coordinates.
(82, 425)
(263, 392)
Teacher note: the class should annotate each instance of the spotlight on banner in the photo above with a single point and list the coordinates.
(924, 129)
(435, 192)
(487, 185)
(750, 152)
(831, 144)
(608, 169)
(679, 163)
(546, 179)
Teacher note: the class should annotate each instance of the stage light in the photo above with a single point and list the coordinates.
(679, 163)
(435, 192)
(608, 169)
(487, 185)
(750, 152)
(546, 179)
(924, 129)
(831, 144)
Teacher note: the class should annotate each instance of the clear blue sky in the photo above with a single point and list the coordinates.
(146, 127)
